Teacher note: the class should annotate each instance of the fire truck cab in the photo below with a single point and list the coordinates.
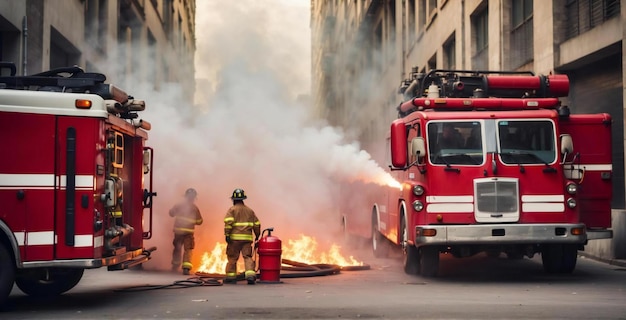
(492, 162)
(72, 194)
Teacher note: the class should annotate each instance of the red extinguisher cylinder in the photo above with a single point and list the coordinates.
(270, 251)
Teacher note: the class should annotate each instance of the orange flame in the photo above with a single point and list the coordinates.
(303, 250)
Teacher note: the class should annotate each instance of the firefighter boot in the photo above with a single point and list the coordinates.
(186, 271)
(251, 279)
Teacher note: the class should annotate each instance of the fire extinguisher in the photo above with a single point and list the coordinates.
(269, 249)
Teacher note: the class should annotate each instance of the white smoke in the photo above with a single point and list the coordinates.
(251, 130)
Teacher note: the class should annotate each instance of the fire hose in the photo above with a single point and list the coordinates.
(290, 270)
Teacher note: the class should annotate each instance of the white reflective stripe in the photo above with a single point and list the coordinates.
(83, 240)
(39, 238)
(19, 236)
(449, 207)
(98, 241)
(543, 207)
(26, 180)
(543, 198)
(449, 199)
(593, 167)
(82, 181)
(42, 181)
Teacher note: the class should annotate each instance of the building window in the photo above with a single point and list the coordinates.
(432, 6)
(421, 14)
(449, 53)
(432, 63)
(411, 20)
(480, 33)
(391, 37)
(521, 11)
(583, 15)
(522, 49)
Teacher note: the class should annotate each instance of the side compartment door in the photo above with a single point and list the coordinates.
(590, 166)
(77, 143)
(27, 182)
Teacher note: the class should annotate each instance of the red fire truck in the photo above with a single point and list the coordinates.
(72, 193)
(492, 162)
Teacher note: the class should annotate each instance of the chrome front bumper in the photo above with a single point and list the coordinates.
(499, 234)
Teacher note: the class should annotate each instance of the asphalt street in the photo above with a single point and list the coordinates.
(470, 288)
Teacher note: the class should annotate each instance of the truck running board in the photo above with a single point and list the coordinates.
(144, 257)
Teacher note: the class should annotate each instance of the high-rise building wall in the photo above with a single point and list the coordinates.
(363, 49)
(150, 41)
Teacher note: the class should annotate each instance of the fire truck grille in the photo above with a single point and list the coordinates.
(497, 196)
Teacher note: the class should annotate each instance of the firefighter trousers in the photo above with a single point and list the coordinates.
(233, 250)
(182, 241)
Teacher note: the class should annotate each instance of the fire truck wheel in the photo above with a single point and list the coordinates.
(570, 255)
(411, 260)
(380, 245)
(559, 258)
(429, 261)
(43, 282)
(7, 274)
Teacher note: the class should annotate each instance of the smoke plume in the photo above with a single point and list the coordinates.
(251, 128)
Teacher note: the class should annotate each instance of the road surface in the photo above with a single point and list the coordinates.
(470, 288)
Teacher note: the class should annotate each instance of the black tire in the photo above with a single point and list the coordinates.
(45, 282)
(411, 260)
(410, 253)
(570, 256)
(429, 261)
(7, 274)
(558, 258)
(380, 244)
(551, 256)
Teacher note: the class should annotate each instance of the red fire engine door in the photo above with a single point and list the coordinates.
(590, 165)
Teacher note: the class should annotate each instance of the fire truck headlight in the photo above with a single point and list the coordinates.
(571, 188)
(418, 205)
(418, 190)
(571, 203)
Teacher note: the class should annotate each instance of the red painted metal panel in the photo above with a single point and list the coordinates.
(87, 131)
(592, 141)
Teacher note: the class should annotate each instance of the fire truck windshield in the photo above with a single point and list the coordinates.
(526, 141)
(458, 143)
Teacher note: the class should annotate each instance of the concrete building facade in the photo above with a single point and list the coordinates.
(128, 40)
(363, 49)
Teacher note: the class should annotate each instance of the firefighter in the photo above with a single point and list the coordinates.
(239, 224)
(186, 216)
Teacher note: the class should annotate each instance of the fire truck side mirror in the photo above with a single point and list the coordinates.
(399, 145)
(567, 144)
(418, 148)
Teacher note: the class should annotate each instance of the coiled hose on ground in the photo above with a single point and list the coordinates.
(290, 269)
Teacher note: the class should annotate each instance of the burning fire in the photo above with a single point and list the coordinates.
(302, 250)
(305, 250)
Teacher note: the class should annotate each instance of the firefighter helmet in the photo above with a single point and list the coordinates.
(191, 192)
(239, 194)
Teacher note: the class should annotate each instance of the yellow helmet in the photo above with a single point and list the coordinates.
(239, 194)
